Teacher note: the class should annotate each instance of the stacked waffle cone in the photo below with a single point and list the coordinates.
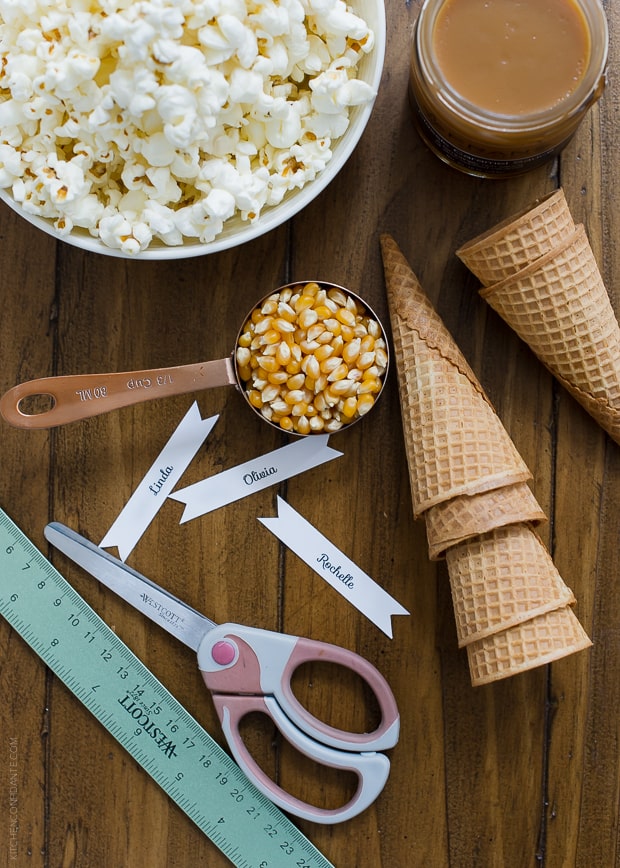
(513, 610)
(540, 275)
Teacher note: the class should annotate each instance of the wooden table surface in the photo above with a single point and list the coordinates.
(522, 772)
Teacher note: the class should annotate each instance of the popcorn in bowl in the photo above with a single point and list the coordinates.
(160, 120)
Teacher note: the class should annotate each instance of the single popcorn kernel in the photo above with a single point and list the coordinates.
(304, 376)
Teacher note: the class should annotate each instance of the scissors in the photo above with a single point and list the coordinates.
(248, 670)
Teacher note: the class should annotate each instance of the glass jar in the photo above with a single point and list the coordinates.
(498, 140)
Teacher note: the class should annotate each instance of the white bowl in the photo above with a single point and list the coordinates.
(237, 231)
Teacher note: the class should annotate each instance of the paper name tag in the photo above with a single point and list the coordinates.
(158, 482)
(332, 565)
(259, 473)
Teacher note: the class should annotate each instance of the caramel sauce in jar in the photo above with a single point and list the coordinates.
(498, 87)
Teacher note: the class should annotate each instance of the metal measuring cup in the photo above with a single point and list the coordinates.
(80, 396)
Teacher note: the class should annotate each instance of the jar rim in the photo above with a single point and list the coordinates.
(587, 90)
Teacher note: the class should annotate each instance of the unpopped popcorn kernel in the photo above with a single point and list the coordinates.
(161, 119)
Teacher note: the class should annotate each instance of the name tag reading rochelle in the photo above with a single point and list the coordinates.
(333, 566)
(244, 479)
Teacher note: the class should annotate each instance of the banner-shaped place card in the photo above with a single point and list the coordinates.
(338, 570)
(244, 479)
(158, 482)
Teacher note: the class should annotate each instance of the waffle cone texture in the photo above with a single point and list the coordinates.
(455, 442)
(557, 303)
(512, 608)
(523, 238)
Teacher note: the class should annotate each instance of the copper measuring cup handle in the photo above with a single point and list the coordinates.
(80, 396)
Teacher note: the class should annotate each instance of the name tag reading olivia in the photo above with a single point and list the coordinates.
(333, 566)
(269, 469)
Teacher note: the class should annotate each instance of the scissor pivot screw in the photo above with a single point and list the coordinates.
(223, 653)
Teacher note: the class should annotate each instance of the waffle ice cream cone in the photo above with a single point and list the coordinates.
(455, 442)
(500, 579)
(559, 306)
(521, 239)
(467, 516)
(543, 639)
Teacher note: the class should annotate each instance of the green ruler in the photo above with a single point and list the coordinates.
(141, 714)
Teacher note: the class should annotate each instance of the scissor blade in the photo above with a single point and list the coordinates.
(175, 616)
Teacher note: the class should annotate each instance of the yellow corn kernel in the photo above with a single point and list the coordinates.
(367, 344)
(311, 289)
(303, 425)
(286, 312)
(314, 331)
(245, 339)
(369, 386)
(355, 374)
(311, 367)
(365, 360)
(349, 407)
(245, 372)
(269, 337)
(283, 325)
(320, 403)
(337, 295)
(269, 393)
(296, 353)
(364, 404)
(343, 388)
(322, 311)
(345, 316)
(311, 411)
(267, 412)
(333, 325)
(331, 399)
(307, 317)
(293, 367)
(330, 364)
(352, 305)
(270, 306)
(333, 425)
(299, 409)
(320, 384)
(294, 396)
(286, 423)
(338, 345)
(374, 328)
(268, 363)
(338, 373)
(303, 303)
(278, 378)
(256, 315)
(308, 347)
(351, 350)
(281, 407)
(296, 381)
(347, 333)
(255, 399)
(316, 423)
(263, 325)
(381, 357)
(243, 356)
(283, 353)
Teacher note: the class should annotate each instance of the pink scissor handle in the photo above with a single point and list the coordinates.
(372, 769)
(241, 660)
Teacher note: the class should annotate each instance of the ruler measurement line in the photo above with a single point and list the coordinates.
(141, 714)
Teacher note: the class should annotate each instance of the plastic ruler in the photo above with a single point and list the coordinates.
(144, 717)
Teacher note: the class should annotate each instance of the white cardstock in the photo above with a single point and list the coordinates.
(160, 479)
(259, 473)
(328, 562)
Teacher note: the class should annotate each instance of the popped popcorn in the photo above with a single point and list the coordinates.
(143, 120)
